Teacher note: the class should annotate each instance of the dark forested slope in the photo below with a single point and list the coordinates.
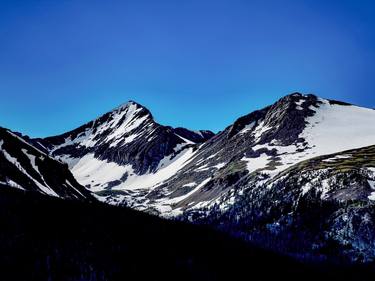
(45, 238)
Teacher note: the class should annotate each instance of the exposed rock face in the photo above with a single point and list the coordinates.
(128, 138)
(317, 209)
(283, 121)
(267, 141)
(24, 167)
(127, 135)
(278, 176)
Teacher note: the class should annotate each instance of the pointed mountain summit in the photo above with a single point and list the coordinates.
(285, 117)
(120, 146)
(297, 176)
(265, 142)
(127, 158)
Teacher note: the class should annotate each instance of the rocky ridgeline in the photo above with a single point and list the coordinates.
(296, 177)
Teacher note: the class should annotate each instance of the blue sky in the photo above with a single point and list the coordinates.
(199, 64)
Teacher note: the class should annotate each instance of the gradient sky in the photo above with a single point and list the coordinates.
(198, 64)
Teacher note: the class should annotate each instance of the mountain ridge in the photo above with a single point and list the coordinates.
(25, 167)
(249, 179)
(118, 130)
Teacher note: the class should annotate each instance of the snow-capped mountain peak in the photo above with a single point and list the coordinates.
(128, 157)
(262, 174)
(132, 109)
(267, 141)
(126, 140)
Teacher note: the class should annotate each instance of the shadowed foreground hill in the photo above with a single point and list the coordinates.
(46, 238)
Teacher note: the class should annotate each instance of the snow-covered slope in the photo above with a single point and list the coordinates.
(269, 141)
(25, 167)
(302, 160)
(332, 128)
(127, 158)
(321, 208)
(124, 149)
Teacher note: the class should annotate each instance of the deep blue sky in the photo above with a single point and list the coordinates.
(199, 64)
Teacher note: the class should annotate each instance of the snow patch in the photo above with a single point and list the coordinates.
(337, 157)
(220, 165)
(32, 160)
(257, 163)
(372, 196)
(191, 184)
(98, 173)
(335, 128)
(260, 130)
(247, 128)
(372, 184)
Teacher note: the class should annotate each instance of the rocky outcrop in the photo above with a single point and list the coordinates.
(295, 176)
(25, 167)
